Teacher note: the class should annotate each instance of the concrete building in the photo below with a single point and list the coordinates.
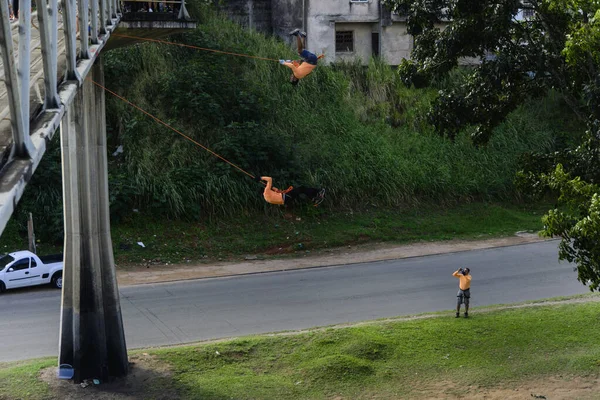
(253, 14)
(356, 29)
(341, 29)
(277, 17)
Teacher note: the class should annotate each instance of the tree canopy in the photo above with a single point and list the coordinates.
(522, 48)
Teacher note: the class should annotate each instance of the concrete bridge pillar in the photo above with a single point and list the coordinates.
(92, 339)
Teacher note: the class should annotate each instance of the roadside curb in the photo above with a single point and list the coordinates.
(405, 318)
(142, 276)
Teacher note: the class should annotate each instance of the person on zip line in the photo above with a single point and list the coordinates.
(301, 69)
(273, 195)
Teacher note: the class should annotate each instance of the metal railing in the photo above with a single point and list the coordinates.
(46, 46)
(45, 55)
(143, 10)
(30, 52)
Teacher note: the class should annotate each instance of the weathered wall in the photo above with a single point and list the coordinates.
(344, 10)
(322, 18)
(287, 15)
(255, 14)
(363, 48)
(396, 43)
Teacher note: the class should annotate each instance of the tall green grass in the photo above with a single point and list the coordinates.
(355, 130)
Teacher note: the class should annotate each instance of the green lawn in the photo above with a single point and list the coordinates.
(381, 360)
(394, 359)
(276, 233)
(20, 380)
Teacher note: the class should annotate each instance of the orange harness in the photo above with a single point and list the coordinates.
(283, 191)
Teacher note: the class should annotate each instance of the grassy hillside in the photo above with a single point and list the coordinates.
(357, 131)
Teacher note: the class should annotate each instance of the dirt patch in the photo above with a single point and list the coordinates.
(310, 259)
(550, 388)
(278, 251)
(148, 378)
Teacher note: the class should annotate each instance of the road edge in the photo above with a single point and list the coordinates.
(575, 299)
(220, 270)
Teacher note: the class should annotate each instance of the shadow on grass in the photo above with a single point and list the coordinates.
(148, 379)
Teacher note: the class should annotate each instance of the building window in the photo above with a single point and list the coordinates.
(344, 41)
(528, 13)
(375, 43)
(528, 10)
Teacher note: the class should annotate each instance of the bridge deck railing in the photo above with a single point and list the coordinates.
(45, 56)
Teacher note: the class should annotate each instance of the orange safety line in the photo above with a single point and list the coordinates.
(170, 127)
(194, 47)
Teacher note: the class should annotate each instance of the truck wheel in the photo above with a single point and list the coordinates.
(2, 287)
(57, 280)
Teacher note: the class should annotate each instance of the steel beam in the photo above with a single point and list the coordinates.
(183, 12)
(109, 17)
(22, 145)
(24, 64)
(84, 9)
(103, 18)
(94, 22)
(69, 16)
(48, 38)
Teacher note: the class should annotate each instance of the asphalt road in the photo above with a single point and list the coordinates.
(171, 313)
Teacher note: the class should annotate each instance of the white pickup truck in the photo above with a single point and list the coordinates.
(23, 268)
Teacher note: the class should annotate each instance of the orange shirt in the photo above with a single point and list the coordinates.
(270, 195)
(465, 280)
(300, 70)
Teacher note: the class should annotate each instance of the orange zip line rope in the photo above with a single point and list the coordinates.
(173, 129)
(194, 47)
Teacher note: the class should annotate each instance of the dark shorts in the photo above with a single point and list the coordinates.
(309, 57)
(463, 296)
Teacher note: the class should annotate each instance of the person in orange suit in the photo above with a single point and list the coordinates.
(273, 195)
